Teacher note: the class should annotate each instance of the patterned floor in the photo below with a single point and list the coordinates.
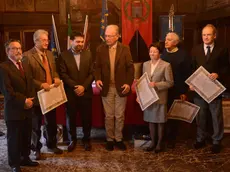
(181, 159)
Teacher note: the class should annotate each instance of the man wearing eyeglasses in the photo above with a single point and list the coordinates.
(114, 75)
(16, 85)
(44, 74)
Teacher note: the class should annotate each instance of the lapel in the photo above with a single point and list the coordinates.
(15, 69)
(118, 52)
(148, 69)
(82, 60)
(214, 51)
(202, 56)
(157, 69)
(71, 60)
(37, 57)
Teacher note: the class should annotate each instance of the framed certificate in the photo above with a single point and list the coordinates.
(183, 110)
(49, 100)
(145, 94)
(204, 86)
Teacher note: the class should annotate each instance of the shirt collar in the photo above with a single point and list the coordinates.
(173, 50)
(74, 52)
(211, 46)
(114, 46)
(40, 52)
(14, 62)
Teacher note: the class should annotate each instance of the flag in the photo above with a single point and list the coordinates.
(69, 32)
(136, 16)
(85, 32)
(55, 47)
(104, 15)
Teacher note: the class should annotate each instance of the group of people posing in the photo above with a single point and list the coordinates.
(24, 74)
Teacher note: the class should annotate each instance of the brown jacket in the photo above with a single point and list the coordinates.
(124, 70)
(37, 68)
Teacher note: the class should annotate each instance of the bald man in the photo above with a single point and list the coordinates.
(114, 75)
(181, 67)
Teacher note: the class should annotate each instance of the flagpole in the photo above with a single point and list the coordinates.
(56, 36)
(85, 30)
(69, 32)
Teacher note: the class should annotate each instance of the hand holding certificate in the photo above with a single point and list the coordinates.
(51, 99)
(183, 110)
(204, 86)
(145, 94)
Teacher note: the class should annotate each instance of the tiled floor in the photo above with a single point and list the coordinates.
(181, 159)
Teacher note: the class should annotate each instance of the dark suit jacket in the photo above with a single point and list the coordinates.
(37, 68)
(70, 74)
(124, 70)
(218, 62)
(15, 89)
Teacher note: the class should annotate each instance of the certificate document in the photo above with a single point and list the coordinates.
(51, 99)
(183, 110)
(204, 86)
(145, 94)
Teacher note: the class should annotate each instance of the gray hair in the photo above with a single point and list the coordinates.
(175, 37)
(114, 27)
(37, 34)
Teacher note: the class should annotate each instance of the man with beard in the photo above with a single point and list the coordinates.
(16, 85)
(76, 71)
(43, 70)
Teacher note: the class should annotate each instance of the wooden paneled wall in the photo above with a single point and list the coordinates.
(20, 18)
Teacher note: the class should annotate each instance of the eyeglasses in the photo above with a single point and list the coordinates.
(110, 36)
(45, 40)
(16, 49)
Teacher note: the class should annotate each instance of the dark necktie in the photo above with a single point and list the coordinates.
(20, 68)
(208, 52)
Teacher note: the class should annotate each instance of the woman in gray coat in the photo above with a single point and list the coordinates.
(161, 79)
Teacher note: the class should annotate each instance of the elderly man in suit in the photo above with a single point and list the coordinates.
(16, 85)
(215, 59)
(114, 74)
(43, 70)
(76, 71)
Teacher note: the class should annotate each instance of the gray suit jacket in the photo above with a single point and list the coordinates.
(37, 68)
(162, 76)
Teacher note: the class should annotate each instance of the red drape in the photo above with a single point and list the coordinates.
(130, 24)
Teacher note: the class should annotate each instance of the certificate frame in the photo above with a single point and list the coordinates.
(202, 70)
(154, 96)
(190, 115)
(41, 94)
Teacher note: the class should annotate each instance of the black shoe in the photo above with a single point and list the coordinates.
(55, 150)
(16, 169)
(199, 145)
(29, 162)
(37, 155)
(2, 134)
(150, 148)
(158, 150)
(216, 148)
(87, 146)
(171, 145)
(120, 145)
(109, 145)
(72, 146)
